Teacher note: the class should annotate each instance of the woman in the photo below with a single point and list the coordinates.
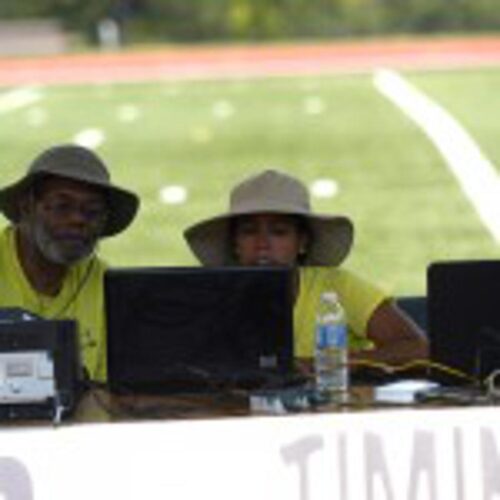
(270, 222)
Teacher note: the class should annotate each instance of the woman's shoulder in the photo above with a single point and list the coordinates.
(335, 277)
(326, 272)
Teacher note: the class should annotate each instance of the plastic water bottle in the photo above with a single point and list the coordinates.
(330, 360)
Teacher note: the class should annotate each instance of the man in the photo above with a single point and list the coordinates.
(59, 211)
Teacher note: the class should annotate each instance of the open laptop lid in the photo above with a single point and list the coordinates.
(191, 329)
(464, 316)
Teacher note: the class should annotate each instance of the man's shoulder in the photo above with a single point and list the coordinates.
(100, 262)
(91, 267)
(6, 233)
(7, 247)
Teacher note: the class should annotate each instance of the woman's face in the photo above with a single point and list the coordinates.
(267, 239)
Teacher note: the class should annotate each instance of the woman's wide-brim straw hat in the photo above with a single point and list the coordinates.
(79, 164)
(272, 192)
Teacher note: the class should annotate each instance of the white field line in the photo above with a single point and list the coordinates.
(476, 175)
(19, 98)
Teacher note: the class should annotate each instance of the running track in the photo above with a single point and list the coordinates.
(208, 62)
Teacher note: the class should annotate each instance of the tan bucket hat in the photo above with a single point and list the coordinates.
(273, 192)
(79, 164)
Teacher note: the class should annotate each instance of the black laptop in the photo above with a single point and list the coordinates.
(464, 316)
(189, 329)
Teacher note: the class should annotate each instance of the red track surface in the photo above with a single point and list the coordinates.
(251, 61)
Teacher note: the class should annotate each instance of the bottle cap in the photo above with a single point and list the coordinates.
(329, 296)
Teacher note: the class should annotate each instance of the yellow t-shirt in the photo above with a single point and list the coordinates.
(81, 298)
(358, 297)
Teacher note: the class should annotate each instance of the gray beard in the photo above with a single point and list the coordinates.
(59, 252)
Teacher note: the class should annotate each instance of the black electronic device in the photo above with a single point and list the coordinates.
(40, 369)
(463, 300)
(198, 329)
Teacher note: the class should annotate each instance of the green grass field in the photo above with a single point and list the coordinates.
(205, 136)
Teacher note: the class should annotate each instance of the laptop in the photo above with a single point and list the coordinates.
(464, 316)
(191, 329)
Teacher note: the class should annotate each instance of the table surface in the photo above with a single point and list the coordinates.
(99, 405)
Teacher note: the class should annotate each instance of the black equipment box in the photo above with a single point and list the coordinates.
(40, 371)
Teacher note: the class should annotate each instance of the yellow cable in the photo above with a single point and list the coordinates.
(420, 363)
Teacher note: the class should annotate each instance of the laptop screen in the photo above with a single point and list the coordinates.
(464, 315)
(182, 329)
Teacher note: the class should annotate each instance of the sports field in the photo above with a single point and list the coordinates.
(181, 143)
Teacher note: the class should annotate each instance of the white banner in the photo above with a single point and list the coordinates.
(389, 455)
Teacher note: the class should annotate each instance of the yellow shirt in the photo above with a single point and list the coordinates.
(358, 297)
(81, 298)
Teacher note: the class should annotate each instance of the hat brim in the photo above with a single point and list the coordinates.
(122, 204)
(332, 238)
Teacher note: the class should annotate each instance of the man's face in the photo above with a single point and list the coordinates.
(65, 219)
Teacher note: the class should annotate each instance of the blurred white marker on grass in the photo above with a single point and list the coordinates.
(314, 105)
(128, 113)
(324, 188)
(36, 117)
(201, 135)
(90, 138)
(173, 195)
(223, 109)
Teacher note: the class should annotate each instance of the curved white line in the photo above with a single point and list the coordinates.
(476, 175)
(19, 98)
